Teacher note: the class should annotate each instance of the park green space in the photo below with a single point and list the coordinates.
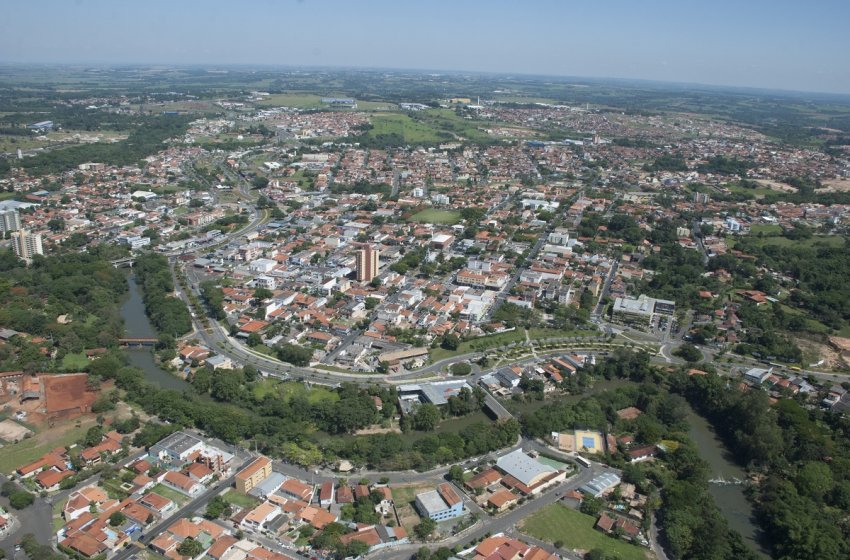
(500, 339)
(574, 529)
(289, 389)
(436, 216)
(479, 343)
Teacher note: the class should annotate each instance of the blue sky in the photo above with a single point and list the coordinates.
(770, 44)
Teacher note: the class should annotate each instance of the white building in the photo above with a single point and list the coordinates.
(10, 220)
(26, 244)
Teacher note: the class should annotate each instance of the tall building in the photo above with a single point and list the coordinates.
(367, 264)
(26, 244)
(10, 220)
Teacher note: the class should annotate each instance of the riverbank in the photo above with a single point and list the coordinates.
(728, 493)
(137, 325)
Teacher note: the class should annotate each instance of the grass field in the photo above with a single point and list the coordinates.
(288, 389)
(434, 216)
(767, 229)
(239, 499)
(828, 240)
(575, 530)
(447, 120)
(171, 494)
(539, 333)
(28, 450)
(297, 100)
(411, 131)
(74, 362)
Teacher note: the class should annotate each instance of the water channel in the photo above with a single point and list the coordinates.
(729, 497)
(137, 325)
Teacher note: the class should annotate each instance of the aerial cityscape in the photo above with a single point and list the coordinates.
(392, 285)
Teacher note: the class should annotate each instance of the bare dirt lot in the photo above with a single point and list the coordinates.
(836, 185)
(12, 432)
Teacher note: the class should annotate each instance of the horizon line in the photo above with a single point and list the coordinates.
(501, 74)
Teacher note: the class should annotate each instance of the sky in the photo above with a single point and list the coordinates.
(774, 44)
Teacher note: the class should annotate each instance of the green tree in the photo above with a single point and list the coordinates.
(117, 519)
(426, 417)
(226, 385)
(450, 342)
(814, 479)
(591, 506)
(21, 499)
(93, 436)
(688, 352)
(425, 528)
(190, 547)
(456, 474)
(461, 368)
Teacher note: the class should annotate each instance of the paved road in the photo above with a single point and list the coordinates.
(36, 519)
(501, 524)
(188, 509)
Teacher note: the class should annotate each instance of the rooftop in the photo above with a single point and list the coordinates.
(522, 467)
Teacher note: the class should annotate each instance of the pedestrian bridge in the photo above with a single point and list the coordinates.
(137, 341)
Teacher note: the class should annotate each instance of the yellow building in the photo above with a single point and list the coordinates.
(252, 475)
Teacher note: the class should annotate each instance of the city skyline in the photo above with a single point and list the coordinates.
(776, 45)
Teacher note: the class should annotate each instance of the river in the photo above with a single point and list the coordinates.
(137, 325)
(730, 498)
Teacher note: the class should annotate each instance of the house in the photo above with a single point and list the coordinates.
(80, 501)
(182, 483)
(642, 453)
(261, 515)
(326, 494)
(297, 490)
(502, 500)
(85, 545)
(440, 504)
(219, 362)
(344, 495)
(483, 479)
(52, 460)
(156, 503)
(49, 480)
(757, 375)
(199, 472)
(318, 518)
(385, 506)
